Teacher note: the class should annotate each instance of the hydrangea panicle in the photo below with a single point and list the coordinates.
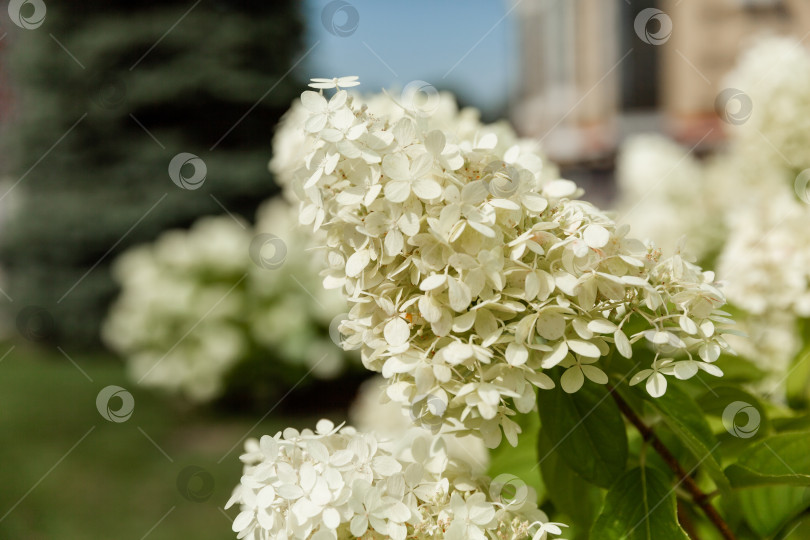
(338, 483)
(472, 268)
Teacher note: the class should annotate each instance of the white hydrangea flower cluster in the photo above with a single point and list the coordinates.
(291, 142)
(166, 288)
(194, 304)
(766, 258)
(775, 75)
(471, 271)
(373, 412)
(741, 205)
(338, 483)
(663, 194)
(765, 264)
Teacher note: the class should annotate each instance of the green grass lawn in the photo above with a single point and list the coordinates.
(66, 472)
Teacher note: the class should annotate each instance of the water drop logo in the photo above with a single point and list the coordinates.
(27, 14)
(195, 180)
(195, 484)
(733, 106)
(123, 412)
(340, 18)
(644, 21)
(509, 490)
(731, 419)
(420, 98)
(268, 251)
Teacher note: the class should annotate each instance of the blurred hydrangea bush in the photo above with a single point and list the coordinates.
(197, 303)
(743, 209)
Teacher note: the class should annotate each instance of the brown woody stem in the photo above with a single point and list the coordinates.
(700, 498)
(686, 522)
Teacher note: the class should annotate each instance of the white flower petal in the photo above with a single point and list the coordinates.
(427, 189)
(602, 326)
(585, 348)
(596, 236)
(433, 282)
(516, 354)
(622, 344)
(357, 262)
(397, 191)
(558, 189)
(572, 379)
(595, 374)
(657, 385)
(397, 332)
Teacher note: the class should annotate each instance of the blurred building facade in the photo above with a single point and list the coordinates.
(595, 71)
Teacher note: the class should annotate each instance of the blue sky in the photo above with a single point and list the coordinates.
(451, 44)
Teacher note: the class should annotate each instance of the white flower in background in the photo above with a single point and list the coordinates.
(771, 340)
(766, 259)
(194, 304)
(740, 205)
(289, 149)
(765, 264)
(181, 280)
(339, 483)
(290, 309)
(373, 412)
(495, 271)
(774, 73)
(663, 195)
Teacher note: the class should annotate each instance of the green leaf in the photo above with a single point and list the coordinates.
(792, 423)
(521, 460)
(798, 530)
(768, 508)
(587, 430)
(798, 384)
(781, 459)
(685, 418)
(738, 370)
(572, 495)
(640, 506)
(743, 418)
(716, 401)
